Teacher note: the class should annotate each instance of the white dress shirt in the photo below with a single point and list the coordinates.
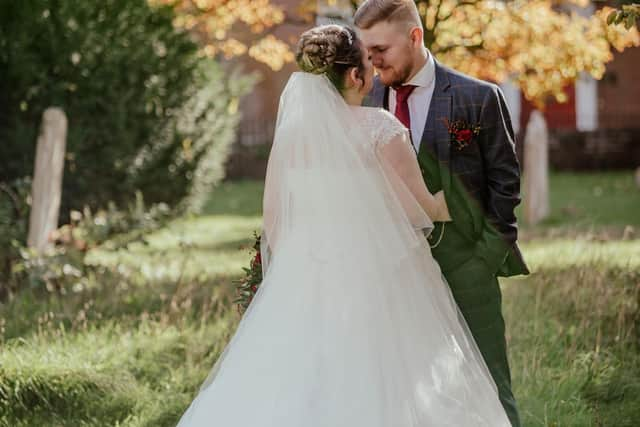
(419, 100)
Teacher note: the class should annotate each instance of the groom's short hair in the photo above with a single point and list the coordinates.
(372, 12)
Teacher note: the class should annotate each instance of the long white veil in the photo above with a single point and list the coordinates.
(353, 324)
(325, 188)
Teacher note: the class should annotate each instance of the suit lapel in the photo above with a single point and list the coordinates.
(435, 132)
(378, 96)
(435, 127)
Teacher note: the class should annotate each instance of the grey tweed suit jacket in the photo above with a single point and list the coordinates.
(482, 181)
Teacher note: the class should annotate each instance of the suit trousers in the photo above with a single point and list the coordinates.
(477, 292)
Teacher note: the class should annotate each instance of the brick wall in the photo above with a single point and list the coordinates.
(597, 150)
(259, 108)
(619, 92)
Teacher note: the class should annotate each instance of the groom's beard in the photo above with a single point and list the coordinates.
(400, 77)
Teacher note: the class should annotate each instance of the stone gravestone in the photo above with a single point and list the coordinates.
(46, 189)
(536, 169)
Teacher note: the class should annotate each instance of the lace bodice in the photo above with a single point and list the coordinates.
(380, 124)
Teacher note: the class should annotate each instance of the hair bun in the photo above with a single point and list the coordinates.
(331, 50)
(318, 47)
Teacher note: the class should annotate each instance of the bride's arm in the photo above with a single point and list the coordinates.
(399, 154)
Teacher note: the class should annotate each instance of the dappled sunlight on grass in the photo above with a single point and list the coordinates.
(111, 374)
(238, 198)
(585, 200)
(134, 351)
(202, 231)
(573, 332)
(555, 254)
(200, 247)
(216, 243)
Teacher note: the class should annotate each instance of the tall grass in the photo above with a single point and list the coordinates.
(573, 337)
(134, 350)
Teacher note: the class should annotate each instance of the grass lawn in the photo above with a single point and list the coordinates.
(134, 351)
(586, 201)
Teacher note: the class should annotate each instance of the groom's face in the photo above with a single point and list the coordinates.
(391, 48)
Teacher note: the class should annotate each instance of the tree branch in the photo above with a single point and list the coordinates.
(471, 47)
(462, 3)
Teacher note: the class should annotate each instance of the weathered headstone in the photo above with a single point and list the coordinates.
(46, 189)
(536, 169)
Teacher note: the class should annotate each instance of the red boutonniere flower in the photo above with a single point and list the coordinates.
(462, 133)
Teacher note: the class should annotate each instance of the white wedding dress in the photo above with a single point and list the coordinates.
(353, 325)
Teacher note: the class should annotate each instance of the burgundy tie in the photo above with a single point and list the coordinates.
(402, 106)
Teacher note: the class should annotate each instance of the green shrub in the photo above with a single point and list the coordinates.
(187, 159)
(63, 267)
(14, 217)
(147, 117)
(127, 80)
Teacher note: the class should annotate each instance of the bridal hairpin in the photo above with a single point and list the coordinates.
(345, 63)
(350, 37)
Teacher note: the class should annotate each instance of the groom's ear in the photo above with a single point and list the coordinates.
(417, 36)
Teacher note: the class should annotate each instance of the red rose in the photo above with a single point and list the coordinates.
(254, 288)
(257, 259)
(464, 135)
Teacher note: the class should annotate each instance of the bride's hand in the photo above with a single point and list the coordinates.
(443, 210)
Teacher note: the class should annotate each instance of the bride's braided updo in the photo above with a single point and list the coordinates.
(330, 50)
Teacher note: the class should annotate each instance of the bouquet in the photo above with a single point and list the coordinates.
(247, 287)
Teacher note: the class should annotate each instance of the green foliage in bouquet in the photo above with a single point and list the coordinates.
(247, 287)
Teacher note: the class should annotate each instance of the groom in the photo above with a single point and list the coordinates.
(461, 130)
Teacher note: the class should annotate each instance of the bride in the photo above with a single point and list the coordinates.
(353, 325)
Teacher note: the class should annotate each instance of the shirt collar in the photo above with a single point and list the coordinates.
(426, 75)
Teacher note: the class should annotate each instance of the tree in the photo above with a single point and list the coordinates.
(212, 22)
(145, 111)
(117, 68)
(543, 45)
(628, 14)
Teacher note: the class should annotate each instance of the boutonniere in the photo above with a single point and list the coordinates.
(462, 133)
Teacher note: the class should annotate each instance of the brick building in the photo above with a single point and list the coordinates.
(599, 126)
(259, 109)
